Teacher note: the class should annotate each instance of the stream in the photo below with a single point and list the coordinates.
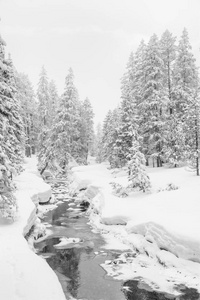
(77, 260)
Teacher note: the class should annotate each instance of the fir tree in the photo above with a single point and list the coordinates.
(153, 102)
(64, 135)
(86, 129)
(137, 174)
(53, 101)
(11, 135)
(168, 55)
(128, 112)
(97, 145)
(43, 117)
(25, 95)
(43, 98)
(185, 96)
(110, 150)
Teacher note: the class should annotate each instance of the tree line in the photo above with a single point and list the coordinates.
(59, 129)
(159, 109)
(156, 122)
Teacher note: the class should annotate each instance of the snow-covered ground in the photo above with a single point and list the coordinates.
(160, 228)
(23, 274)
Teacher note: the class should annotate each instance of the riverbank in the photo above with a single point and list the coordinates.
(160, 228)
(24, 275)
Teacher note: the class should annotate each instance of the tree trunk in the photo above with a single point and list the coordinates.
(42, 171)
(147, 162)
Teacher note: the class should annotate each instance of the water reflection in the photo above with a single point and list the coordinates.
(66, 262)
(78, 265)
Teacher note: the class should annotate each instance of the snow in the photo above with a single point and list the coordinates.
(24, 275)
(64, 242)
(160, 227)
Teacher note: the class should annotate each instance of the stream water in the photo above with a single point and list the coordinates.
(77, 263)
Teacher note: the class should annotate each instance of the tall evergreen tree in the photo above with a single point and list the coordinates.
(168, 55)
(185, 96)
(53, 101)
(64, 135)
(43, 98)
(153, 101)
(136, 166)
(97, 145)
(86, 129)
(25, 95)
(127, 126)
(11, 134)
(44, 120)
(110, 135)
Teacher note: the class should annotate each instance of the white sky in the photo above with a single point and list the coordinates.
(94, 37)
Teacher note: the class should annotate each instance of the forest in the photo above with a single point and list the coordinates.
(155, 123)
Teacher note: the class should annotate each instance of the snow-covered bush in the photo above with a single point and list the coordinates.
(119, 190)
(8, 203)
(136, 169)
(169, 187)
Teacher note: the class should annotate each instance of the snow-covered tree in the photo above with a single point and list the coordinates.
(11, 135)
(43, 98)
(185, 97)
(86, 130)
(168, 55)
(110, 150)
(63, 142)
(136, 166)
(153, 102)
(97, 145)
(53, 102)
(11, 132)
(25, 95)
(128, 112)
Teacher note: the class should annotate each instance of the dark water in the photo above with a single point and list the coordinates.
(77, 264)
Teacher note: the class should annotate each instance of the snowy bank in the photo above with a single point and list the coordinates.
(24, 275)
(161, 228)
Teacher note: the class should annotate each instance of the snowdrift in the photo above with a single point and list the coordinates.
(24, 275)
(161, 227)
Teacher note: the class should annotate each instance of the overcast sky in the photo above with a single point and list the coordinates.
(94, 37)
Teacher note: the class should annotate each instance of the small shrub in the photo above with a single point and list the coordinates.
(169, 187)
(119, 190)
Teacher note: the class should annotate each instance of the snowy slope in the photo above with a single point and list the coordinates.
(162, 228)
(24, 275)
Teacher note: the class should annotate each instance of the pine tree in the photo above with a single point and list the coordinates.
(172, 131)
(153, 102)
(185, 97)
(25, 95)
(110, 150)
(44, 120)
(97, 145)
(64, 135)
(139, 80)
(86, 129)
(11, 135)
(53, 101)
(136, 166)
(43, 98)
(168, 55)
(128, 121)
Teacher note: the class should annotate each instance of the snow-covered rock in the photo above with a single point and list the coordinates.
(162, 229)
